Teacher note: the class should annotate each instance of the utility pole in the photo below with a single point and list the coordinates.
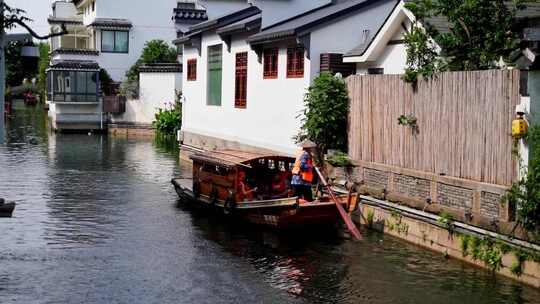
(2, 73)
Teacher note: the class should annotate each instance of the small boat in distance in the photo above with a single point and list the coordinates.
(6, 209)
(255, 187)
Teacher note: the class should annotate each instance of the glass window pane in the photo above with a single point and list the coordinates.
(121, 44)
(92, 83)
(58, 82)
(107, 41)
(81, 82)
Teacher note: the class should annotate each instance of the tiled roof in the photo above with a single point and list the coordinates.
(161, 68)
(224, 20)
(74, 65)
(57, 20)
(75, 51)
(111, 23)
(186, 14)
(253, 22)
(310, 19)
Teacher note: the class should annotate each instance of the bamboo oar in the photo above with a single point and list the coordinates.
(348, 221)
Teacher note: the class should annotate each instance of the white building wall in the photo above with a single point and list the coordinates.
(270, 119)
(157, 91)
(150, 21)
(347, 33)
(64, 9)
(393, 59)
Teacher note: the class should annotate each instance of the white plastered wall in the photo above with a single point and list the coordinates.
(157, 91)
(270, 119)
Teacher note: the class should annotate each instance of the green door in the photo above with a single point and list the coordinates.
(214, 75)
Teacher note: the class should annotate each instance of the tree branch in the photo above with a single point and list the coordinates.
(35, 35)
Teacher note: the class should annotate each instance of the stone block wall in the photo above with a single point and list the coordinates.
(454, 197)
(480, 203)
(412, 186)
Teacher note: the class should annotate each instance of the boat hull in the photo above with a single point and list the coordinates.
(279, 213)
(6, 210)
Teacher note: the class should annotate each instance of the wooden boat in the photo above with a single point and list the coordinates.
(217, 179)
(6, 209)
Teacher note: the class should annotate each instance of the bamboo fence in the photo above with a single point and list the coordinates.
(463, 118)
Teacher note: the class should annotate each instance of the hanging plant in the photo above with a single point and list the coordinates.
(409, 120)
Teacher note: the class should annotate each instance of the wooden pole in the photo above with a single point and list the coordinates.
(346, 218)
(2, 73)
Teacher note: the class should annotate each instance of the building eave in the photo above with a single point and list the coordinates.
(161, 68)
(377, 42)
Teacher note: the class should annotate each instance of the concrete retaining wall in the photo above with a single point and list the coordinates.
(437, 238)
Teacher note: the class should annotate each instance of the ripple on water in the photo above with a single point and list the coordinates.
(98, 222)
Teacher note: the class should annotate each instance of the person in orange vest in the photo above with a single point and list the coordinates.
(302, 171)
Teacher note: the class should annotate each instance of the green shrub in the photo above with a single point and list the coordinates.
(169, 120)
(44, 59)
(340, 159)
(525, 193)
(325, 114)
(154, 51)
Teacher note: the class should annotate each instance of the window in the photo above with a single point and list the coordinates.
(192, 69)
(73, 86)
(375, 71)
(93, 6)
(214, 75)
(114, 41)
(270, 63)
(240, 98)
(295, 62)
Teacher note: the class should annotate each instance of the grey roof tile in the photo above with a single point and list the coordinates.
(308, 20)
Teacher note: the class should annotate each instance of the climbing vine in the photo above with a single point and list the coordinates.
(490, 251)
(397, 224)
(525, 193)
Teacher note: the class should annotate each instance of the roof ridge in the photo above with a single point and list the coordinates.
(298, 16)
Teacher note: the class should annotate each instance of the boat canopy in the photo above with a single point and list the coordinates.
(233, 158)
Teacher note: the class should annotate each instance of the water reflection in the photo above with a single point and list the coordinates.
(98, 222)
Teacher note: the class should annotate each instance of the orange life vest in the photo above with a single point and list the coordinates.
(305, 175)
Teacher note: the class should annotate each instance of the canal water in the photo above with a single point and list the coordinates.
(97, 221)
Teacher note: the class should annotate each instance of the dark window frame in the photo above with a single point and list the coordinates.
(192, 70)
(270, 63)
(295, 62)
(240, 80)
(114, 42)
(59, 96)
(375, 71)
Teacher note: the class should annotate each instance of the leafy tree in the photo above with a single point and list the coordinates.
(325, 113)
(155, 51)
(18, 67)
(481, 33)
(44, 59)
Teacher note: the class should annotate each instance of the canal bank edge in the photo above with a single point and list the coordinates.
(431, 232)
(129, 130)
